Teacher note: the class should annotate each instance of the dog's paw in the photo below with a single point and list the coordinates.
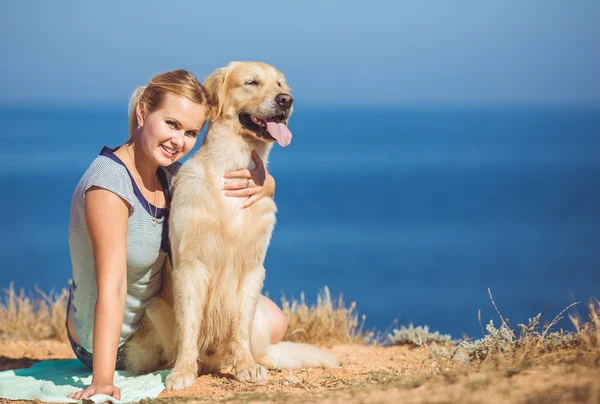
(254, 374)
(180, 380)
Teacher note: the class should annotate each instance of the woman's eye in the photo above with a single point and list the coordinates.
(172, 124)
(252, 82)
(192, 133)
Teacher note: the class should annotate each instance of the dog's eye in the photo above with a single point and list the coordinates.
(279, 84)
(251, 83)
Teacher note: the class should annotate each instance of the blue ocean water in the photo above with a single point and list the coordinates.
(411, 212)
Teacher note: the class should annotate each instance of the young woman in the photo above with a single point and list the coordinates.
(118, 231)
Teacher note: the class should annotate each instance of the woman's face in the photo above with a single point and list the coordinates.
(170, 132)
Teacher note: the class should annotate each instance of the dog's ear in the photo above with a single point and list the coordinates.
(215, 86)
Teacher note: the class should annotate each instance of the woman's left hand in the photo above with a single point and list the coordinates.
(258, 184)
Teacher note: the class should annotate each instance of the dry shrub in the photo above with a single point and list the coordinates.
(504, 347)
(412, 335)
(589, 333)
(36, 316)
(328, 322)
(41, 316)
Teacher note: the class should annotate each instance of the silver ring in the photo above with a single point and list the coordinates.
(247, 183)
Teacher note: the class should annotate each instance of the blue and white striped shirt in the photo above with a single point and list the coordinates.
(147, 245)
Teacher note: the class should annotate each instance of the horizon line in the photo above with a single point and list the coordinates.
(113, 105)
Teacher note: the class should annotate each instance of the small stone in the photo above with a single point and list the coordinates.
(291, 381)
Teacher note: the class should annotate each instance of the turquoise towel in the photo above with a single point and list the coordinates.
(52, 381)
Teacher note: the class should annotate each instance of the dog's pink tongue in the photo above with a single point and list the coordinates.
(280, 132)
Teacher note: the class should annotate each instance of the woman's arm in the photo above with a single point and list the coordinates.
(258, 185)
(106, 217)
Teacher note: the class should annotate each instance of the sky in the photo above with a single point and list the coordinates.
(363, 53)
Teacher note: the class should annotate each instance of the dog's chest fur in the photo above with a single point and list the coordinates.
(228, 242)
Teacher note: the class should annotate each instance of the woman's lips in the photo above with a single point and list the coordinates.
(168, 151)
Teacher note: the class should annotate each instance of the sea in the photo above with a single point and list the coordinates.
(417, 214)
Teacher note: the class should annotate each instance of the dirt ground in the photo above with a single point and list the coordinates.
(372, 374)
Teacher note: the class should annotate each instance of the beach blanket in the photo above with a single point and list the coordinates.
(52, 381)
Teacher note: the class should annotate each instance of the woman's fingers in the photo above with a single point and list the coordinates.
(244, 173)
(244, 192)
(87, 393)
(90, 391)
(80, 394)
(253, 184)
(239, 184)
(251, 200)
(253, 187)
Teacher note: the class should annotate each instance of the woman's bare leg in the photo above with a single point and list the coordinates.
(279, 323)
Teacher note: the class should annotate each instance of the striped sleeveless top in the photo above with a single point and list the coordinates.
(147, 245)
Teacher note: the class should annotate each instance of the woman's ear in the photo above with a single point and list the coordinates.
(139, 114)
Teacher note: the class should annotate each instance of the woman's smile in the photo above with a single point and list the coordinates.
(168, 151)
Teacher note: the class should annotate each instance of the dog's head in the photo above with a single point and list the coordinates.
(255, 97)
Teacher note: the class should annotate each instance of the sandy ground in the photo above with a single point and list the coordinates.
(372, 375)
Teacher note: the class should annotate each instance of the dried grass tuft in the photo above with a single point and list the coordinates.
(589, 332)
(33, 316)
(39, 316)
(532, 342)
(328, 322)
(412, 335)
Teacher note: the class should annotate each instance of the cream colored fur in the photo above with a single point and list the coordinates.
(218, 249)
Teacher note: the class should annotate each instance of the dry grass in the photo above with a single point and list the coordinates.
(41, 316)
(328, 322)
(589, 332)
(504, 348)
(412, 335)
(531, 363)
(33, 316)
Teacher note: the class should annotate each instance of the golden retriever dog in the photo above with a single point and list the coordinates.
(209, 316)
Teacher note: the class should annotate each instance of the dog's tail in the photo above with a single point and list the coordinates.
(290, 355)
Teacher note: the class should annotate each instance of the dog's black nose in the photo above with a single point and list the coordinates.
(284, 100)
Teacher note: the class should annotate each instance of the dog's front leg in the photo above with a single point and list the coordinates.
(190, 283)
(245, 367)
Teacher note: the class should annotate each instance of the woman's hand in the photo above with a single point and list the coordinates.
(258, 184)
(94, 389)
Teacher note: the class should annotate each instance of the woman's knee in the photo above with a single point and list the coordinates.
(279, 322)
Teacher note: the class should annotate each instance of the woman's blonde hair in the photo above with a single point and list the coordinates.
(151, 97)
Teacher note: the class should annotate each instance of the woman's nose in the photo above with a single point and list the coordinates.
(177, 140)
